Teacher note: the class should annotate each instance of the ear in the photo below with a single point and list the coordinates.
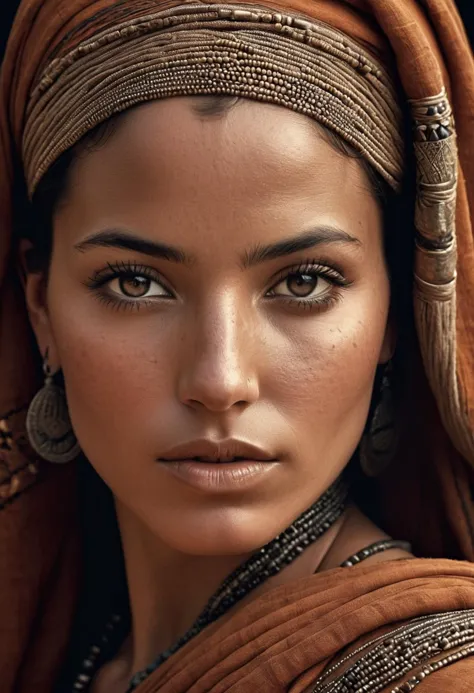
(389, 341)
(34, 282)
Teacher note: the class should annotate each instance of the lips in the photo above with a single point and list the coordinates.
(226, 451)
(215, 460)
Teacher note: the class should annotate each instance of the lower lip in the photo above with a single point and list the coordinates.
(221, 476)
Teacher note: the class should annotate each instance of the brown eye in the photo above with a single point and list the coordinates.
(135, 287)
(302, 285)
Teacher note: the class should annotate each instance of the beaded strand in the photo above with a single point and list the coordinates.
(263, 564)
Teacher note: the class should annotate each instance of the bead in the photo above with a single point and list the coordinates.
(443, 132)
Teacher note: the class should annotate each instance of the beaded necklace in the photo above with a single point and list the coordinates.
(263, 564)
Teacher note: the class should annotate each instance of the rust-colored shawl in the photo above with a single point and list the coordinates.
(427, 494)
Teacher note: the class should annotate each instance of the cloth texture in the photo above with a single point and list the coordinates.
(426, 496)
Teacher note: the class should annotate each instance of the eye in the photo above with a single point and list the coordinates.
(303, 284)
(136, 286)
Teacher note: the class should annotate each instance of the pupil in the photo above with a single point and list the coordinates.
(135, 286)
(302, 284)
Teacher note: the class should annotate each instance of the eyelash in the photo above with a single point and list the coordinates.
(316, 269)
(310, 267)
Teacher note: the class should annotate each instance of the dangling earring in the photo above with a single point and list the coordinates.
(378, 445)
(48, 425)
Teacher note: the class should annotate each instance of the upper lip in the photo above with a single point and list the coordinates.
(217, 451)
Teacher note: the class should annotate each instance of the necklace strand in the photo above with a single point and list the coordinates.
(262, 565)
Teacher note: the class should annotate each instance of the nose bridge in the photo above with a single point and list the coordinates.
(221, 368)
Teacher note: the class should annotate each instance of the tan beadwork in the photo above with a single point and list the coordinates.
(436, 260)
(195, 49)
(411, 650)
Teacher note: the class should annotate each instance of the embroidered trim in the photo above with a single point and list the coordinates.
(6, 437)
(405, 650)
(435, 214)
(420, 676)
(18, 467)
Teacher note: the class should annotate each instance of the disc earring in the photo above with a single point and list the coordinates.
(48, 424)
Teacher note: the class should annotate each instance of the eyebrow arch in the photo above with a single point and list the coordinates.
(115, 238)
(304, 241)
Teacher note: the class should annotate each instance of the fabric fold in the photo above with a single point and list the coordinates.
(426, 496)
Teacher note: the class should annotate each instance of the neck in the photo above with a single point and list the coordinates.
(168, 590)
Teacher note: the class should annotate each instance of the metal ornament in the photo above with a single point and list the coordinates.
(378, 445)
(48, 424)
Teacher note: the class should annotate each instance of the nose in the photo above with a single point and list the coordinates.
(220, 370)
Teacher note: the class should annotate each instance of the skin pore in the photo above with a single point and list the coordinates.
(265, 322)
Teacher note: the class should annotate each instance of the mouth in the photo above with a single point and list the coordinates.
(219, 466)
(218, 476)
(216, 460)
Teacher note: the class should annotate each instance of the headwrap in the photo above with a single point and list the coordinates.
(71, 64)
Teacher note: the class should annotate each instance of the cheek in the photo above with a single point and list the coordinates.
(117, 371)
(328, 365)
(323, 385)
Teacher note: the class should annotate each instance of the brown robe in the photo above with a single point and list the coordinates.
(282, 640)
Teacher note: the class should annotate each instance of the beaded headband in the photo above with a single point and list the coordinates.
(196, 49)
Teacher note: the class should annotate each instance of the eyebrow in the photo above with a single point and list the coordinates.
(114, 238)
(256, 255)
(309, 239)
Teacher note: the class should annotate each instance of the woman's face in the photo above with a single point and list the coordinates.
(216, 277)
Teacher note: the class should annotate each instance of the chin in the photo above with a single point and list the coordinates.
(224, 531)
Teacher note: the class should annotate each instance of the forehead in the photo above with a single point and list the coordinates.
(168, 160)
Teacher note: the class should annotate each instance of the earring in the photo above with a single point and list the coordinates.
(48, 424)
(378, 444)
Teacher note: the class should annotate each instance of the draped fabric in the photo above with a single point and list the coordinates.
(426, 494)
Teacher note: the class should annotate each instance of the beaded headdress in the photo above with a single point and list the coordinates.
(197, 49)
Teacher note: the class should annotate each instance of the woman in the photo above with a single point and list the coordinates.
(222, 283)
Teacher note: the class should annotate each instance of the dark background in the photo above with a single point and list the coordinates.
(8, 9)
